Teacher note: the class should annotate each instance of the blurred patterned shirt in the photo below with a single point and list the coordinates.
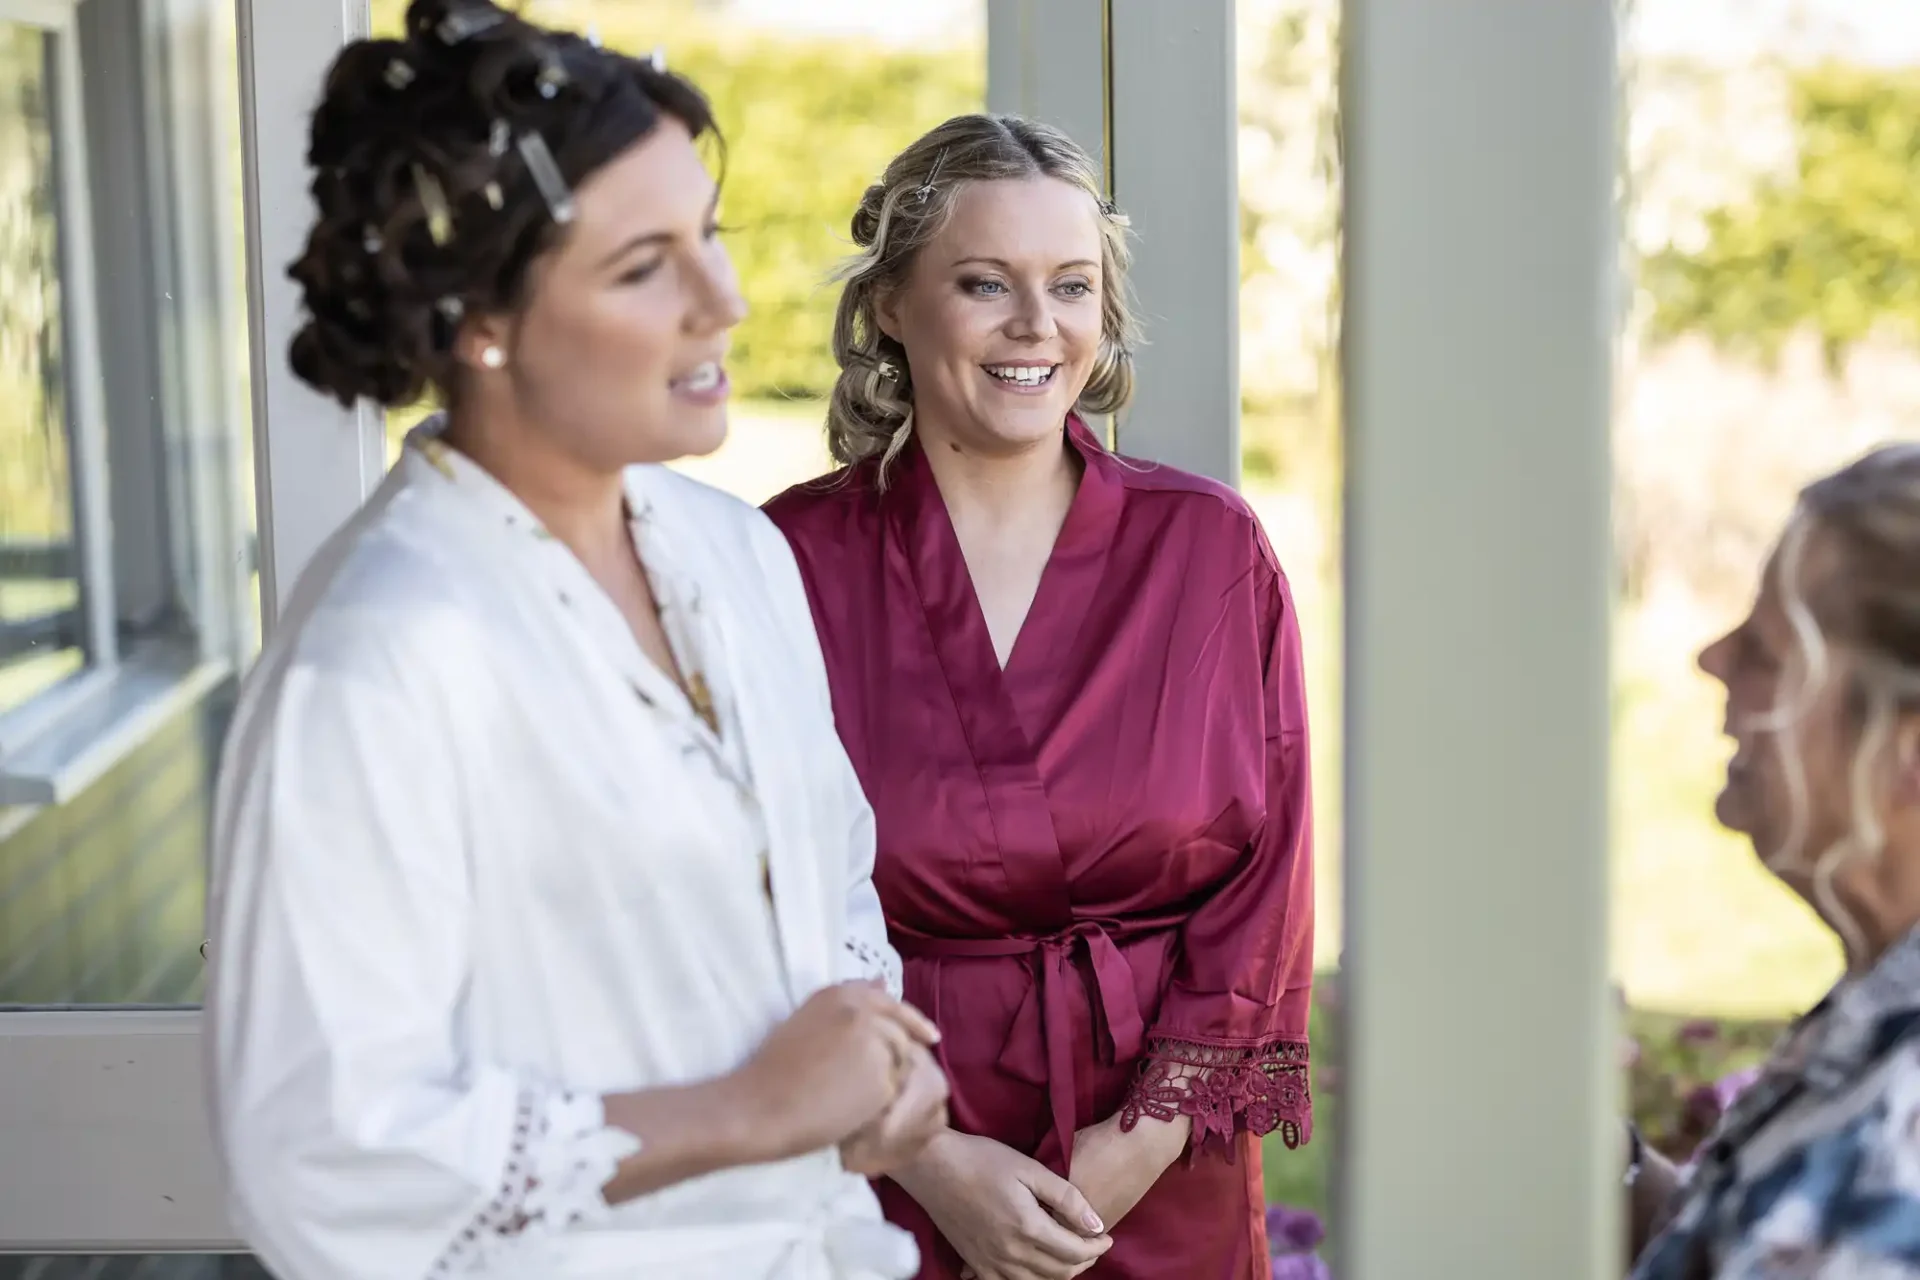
(1814, 1173)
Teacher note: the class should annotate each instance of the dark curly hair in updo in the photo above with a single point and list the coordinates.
(443, 166)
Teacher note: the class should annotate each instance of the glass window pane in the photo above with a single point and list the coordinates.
(101, 893)
(40, 633)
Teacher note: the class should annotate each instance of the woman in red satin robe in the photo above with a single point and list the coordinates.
(1071, 685)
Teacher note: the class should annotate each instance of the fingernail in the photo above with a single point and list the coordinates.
(1094, 1224)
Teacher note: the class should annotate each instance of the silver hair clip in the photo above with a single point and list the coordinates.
(451, 309)
(1108, 209)
(924, 191)
(399, 74)
(546, 176)
(433, 199)
(499, 139)
(552, 78)
(888, 371)
(658, 58)
(593, 34)
(494, 198)
(468, 23)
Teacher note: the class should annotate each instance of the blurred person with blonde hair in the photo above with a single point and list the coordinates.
(1071, 685)
(1814, 1171)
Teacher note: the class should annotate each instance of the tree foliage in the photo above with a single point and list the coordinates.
(808, 127)
(1833, 246)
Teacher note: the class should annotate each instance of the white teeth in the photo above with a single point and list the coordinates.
(1025, 375)
(705, 378)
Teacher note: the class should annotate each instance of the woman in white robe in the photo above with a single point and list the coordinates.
(543, 941)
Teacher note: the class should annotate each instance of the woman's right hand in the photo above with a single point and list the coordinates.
(1002, 1212)
(832, 1068)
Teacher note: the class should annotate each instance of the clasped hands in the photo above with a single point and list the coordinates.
(1011, 1218)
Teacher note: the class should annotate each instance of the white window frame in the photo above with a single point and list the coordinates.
(155, 503)
(112, 1172)
(84, 392)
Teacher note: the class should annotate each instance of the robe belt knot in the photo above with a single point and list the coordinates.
(1039, 1048)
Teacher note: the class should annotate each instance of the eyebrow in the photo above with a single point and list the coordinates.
(650, 238)
(1004, 265)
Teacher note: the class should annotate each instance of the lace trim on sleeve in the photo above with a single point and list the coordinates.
(1224, 1089)
(562, 1154)
(870, 961)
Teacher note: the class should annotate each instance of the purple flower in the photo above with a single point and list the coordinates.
(1301, 1266)
(1294, 1231)
(1702, 1107)
(1699, 1031)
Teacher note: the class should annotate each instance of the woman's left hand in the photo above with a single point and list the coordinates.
(897, 1136)
(1115, 1170)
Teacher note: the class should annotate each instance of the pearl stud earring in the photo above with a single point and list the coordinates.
(493, 357)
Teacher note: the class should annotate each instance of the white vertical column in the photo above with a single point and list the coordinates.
(314, 461)
(1174, 134)
(1480, 1138)
(1047, 60)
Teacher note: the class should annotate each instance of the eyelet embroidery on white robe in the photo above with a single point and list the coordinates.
(563, 1153)
(877, 963)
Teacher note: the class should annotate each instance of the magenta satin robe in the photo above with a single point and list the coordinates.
(1097, 862)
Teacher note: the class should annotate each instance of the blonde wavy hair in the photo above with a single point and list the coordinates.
(1869, 513)
(870, 414)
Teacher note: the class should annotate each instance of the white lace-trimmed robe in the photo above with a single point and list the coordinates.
(478, 862)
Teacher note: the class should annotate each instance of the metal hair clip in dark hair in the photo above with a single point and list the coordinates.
(433, 201)
(658, 58)
(468, 23)
(924, 191)
(552, 77)
(546, 176)
(399, 74)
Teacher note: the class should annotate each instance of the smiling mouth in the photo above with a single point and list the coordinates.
(704, 377)
(1019, 375)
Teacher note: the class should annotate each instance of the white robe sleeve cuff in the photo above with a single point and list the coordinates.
(562, 1154)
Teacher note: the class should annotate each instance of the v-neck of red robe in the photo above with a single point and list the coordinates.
(1003, 711)
(1061, 602)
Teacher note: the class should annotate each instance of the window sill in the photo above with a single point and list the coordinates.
(88, 738)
